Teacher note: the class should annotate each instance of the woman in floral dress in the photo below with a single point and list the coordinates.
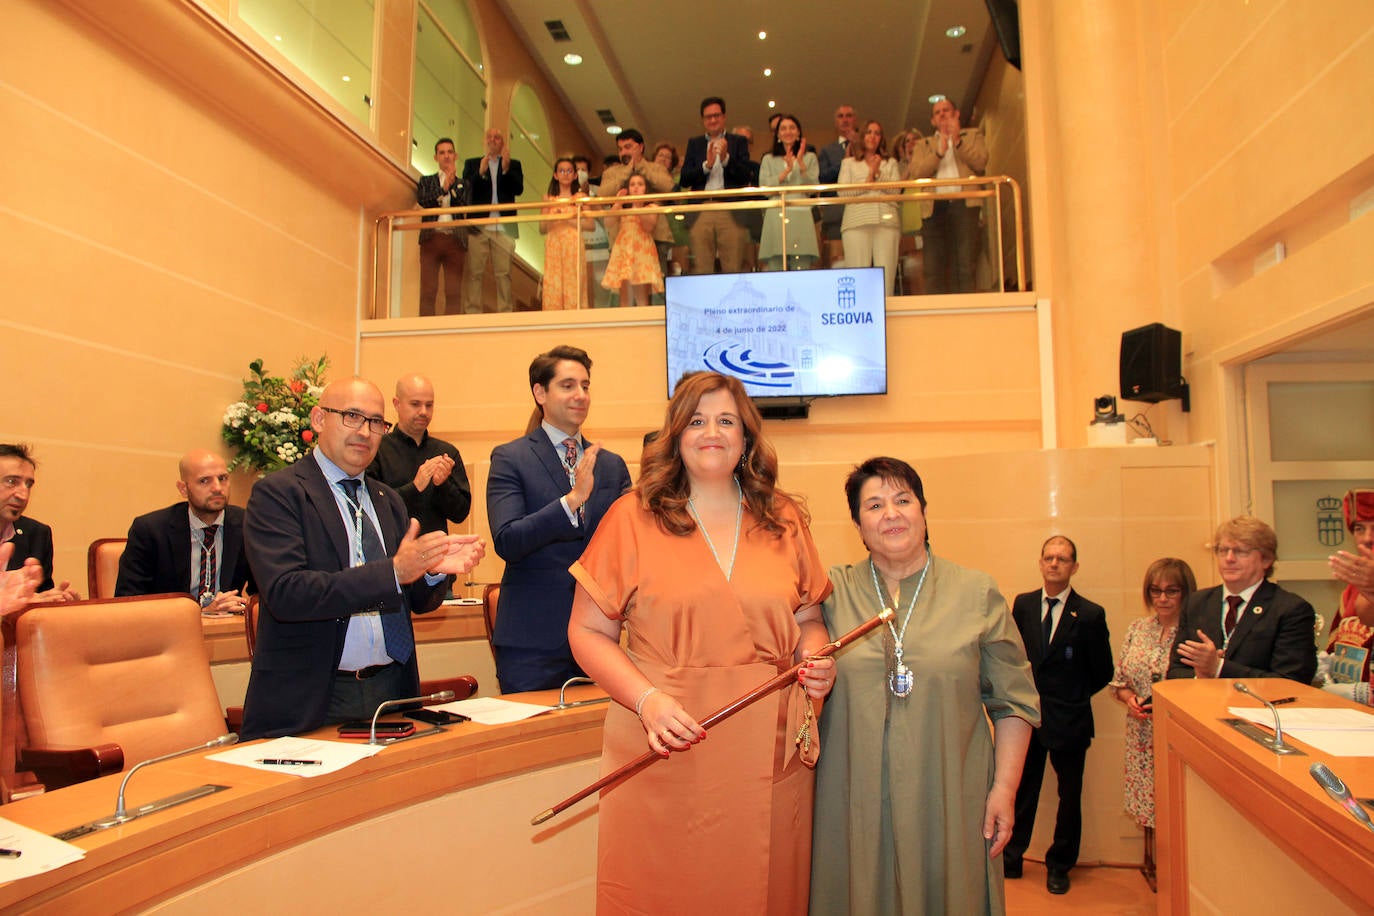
(1144, 661)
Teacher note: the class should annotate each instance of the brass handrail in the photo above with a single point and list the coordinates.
(685, 202)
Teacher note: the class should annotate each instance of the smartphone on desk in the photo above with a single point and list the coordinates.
(384, 729)
(436, 716)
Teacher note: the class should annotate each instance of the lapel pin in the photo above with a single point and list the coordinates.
(1258, 610)
(1073, 614)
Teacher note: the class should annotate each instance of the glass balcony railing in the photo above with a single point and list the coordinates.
(951, 236)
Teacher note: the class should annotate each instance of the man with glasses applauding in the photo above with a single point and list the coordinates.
(341, 568)
(1247, 626)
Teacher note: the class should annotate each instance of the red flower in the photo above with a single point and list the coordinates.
(262, 407)
(308, 435)
(297, 386)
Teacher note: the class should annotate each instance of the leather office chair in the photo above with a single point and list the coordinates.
(102, 566)
(491, 594)
(90, 687)
(463, 685)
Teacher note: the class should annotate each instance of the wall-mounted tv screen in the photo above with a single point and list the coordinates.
(795, 333)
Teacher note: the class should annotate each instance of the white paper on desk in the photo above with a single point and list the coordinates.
(1339, 732)
(333, 755)
(491, 711)
(41, 852)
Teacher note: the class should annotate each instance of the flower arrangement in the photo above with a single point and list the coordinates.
(270, 425)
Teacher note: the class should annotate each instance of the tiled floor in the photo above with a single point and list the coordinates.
(1099, 890)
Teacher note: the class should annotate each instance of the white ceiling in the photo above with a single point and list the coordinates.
(652, 63)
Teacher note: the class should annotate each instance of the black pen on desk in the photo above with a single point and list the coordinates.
(1283, 700)
(288, 762)
(11, 853)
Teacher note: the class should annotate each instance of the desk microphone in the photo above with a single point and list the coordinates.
(1339, 793)
(121, 814)
(442, 696)
(1278, 729)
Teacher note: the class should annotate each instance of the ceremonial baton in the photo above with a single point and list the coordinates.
(720, 715)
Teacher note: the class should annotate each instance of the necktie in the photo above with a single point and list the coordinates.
(570, 462)
(1048, 622)
(400, 640)
(1233, 603)
(209, 573)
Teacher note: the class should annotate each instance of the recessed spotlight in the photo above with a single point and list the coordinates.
(762, 35)
(348, 79)
(613, 129)
(276, 38)
(935, 98)
(955, 31)
(772, 104)
(767, 71)
(571, 59)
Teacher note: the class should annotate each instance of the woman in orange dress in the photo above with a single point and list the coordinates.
(563, 242)
(711, 572)
(633, 267)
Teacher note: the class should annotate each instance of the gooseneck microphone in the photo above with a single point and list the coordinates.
(1278, 728)
(1339, 793)
(121, 813)
(442, 696)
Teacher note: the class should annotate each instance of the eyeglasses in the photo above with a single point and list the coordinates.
(1173, 591)
(353, 420)
(1240, 553)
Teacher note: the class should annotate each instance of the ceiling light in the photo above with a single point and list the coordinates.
(767, 71)
(762, 35)
(613, 129)
(347, 79)
(276, 38)
(955, 32)
(936, 98)
(772, 104)
(571, 59)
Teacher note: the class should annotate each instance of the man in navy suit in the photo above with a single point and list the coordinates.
(546, 493)
(1071, 656)
(31, 538)
(493, 178)
(1247, 626)
(441, 246)
(192, 546)
(713, 161)
(341, 569)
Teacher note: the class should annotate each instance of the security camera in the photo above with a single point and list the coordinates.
(1104, 410)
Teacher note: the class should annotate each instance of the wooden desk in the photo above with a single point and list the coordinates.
(1242, 830)
(438, 824)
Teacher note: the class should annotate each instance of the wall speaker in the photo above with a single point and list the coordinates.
(1006, 21)
(1152, 364)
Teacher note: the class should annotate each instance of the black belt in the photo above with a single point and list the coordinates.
(363, 674)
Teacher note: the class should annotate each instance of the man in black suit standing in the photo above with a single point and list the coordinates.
(830, 157)
(493, 178)
(1247, 626)
(716, 160)
(192, 546)
(341, 568)
(1071, 655)
(427, 471)
(31, 538)
(441, 246)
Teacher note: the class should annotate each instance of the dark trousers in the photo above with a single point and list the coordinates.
(351, 699)
(1068, 822)
(519, 670)
(441, 249)
(950, 237)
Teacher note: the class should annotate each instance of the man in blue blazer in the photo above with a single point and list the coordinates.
(493, 178)
(715, 160)
(547, 492)
(341, 568)
(1247, 626)
(164, 554)
(1070, 653)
